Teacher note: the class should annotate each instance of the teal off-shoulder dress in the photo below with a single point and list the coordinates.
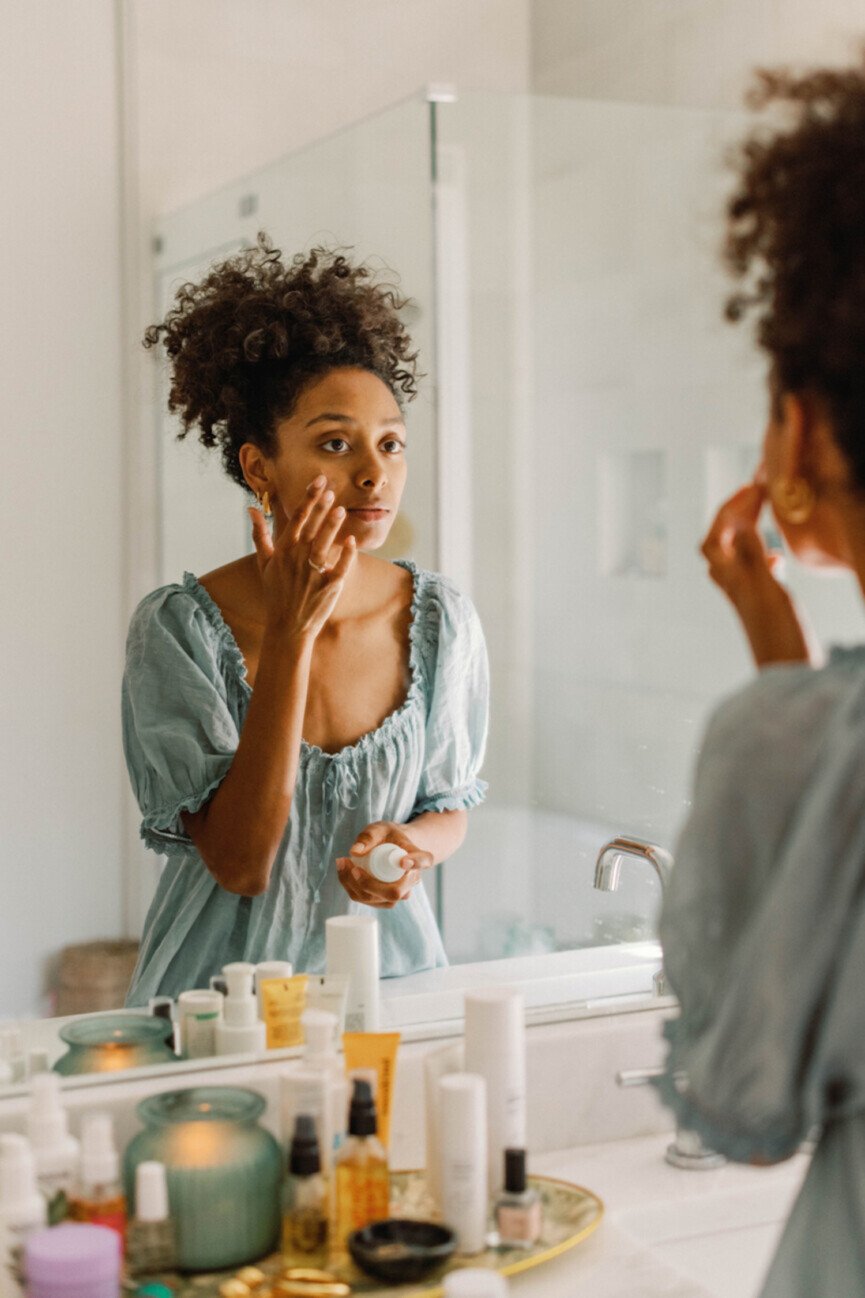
(763, 931)
(185, 696)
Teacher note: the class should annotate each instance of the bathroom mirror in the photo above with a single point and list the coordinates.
(585, 410)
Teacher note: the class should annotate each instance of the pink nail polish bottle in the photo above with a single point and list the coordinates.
(518, 1207)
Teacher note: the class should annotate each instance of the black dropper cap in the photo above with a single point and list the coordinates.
(515, 1171)
(304, 1158)
(362, 1119)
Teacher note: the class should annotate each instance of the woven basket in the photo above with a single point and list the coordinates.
(94, 976)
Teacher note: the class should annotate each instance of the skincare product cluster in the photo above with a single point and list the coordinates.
(206, 1187)
(249, 1008)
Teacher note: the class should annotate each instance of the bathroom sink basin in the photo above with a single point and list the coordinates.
(722, 1235)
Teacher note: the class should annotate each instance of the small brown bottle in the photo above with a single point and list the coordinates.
(518, 1207)
(98, 1197)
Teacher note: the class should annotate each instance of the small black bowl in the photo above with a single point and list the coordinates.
(399, 1250)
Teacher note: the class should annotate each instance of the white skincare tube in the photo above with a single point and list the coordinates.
(198, 1012)
(495, 1043)
(328, 992)
(463, 1157)
(351, 948)
(437, 1064)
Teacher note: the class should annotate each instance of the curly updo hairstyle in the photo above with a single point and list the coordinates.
(245, 341)
(795, 239)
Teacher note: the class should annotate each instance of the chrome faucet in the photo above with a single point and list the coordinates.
(608, 871)
(608, 867)
(687, 1150)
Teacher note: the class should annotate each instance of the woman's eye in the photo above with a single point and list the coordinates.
(335, 444)
(393, 446)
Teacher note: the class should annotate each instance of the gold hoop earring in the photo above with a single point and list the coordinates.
(264, 501)
(793, 499)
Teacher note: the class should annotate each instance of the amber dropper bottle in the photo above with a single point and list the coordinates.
(98, 1197)
(362, 1192)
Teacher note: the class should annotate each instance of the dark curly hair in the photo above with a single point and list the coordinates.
(246, 341)
(796, 240)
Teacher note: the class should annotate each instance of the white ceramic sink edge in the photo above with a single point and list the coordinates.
(716, 1229)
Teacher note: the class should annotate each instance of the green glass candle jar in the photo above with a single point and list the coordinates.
(224, 1173)
(107, 1043)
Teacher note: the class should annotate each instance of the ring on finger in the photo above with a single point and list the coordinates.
(319, 567)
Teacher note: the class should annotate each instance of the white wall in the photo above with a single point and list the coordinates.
(61, 522)
(695, 55)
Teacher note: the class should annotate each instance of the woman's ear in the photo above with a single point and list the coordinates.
(254, 468)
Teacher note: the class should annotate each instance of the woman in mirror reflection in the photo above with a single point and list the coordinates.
(310, 700)
(763, 927)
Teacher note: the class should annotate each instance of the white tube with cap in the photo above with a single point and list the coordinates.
(463, 1158)
(495, 1048)
(240, 1030)
(22, 1208)
(351, 946)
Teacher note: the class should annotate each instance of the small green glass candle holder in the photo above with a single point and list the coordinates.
(224, 1173)
(108, 1043)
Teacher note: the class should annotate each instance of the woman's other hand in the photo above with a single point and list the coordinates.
(299, 596)
(740, 563)
(362, 887)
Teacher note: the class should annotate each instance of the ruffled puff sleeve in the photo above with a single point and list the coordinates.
(457, 698)
(179, 731)
(763, 925)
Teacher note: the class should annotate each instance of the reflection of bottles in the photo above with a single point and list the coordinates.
(362, 1192)
(304, 1218)
(22, 1209)
(99, 1198)
(55, 1151)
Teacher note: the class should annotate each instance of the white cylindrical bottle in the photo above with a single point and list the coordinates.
(351, 944)
(198, 1012)
(437, 1064)
(240, 1030)
(383, 862)
(22, 1210)
(495, 1048)
(463, 1159)
(55, 1152)
(269, 969)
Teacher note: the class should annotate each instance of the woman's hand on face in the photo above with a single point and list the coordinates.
(738, 560)
(299, 598)
(362, 887)
(745, 570)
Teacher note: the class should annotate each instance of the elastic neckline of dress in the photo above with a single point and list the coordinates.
(236, 660)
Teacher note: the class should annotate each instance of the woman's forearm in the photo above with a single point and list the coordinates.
(439, 832)
(240, 828)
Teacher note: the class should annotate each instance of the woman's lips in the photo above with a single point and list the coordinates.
(369, 515)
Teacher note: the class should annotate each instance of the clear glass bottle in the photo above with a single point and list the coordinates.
(362, 1190)
(518, 1207)
(304, 1201)
(151, 1245)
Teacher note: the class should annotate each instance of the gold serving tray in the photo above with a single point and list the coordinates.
(570, 1214)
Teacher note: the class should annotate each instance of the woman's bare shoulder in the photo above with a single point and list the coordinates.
(235, 589)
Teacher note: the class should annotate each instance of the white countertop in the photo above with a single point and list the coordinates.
(666, 1232)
